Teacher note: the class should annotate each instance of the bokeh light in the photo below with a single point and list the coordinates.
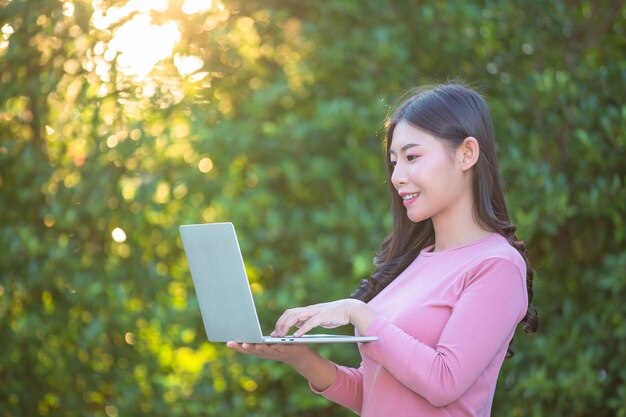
(205, 165)
(118, 235)
(129, 337)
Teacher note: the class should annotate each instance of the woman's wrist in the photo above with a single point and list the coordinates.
(361, 316)
(319, 371)
(304, 353)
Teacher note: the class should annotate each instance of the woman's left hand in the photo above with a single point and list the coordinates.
(327, 315)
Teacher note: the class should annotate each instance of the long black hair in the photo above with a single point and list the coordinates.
(450, 112)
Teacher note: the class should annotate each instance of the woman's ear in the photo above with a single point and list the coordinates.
(467, 153)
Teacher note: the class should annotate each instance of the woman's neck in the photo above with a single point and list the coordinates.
(457, 227)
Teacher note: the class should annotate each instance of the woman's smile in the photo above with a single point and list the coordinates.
(409, 198)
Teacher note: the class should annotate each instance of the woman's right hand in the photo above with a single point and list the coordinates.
(289, 354)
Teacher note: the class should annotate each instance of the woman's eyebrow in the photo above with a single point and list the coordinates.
(405, 147)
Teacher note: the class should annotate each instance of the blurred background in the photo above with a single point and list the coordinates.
(120, 120)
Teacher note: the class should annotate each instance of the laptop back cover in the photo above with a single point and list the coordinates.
(220, 281)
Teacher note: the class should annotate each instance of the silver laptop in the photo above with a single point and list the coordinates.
(223, 291)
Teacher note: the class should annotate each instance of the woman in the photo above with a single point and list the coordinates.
(451, 283)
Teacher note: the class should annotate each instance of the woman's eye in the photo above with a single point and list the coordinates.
(392, 164)
(411, 157)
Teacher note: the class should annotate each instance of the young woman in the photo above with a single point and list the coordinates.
(451, 284)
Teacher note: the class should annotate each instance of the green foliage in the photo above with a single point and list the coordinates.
(279, 131)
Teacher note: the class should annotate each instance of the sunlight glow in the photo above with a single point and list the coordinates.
(142, 45)
(103, 18)
(68, 9)
(187, 65)
(139, 43)
(196, 6)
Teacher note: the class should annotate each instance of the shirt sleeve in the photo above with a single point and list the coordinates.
(482, 321)
(346, 389)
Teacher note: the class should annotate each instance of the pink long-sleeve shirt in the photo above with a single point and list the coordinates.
(444, 324)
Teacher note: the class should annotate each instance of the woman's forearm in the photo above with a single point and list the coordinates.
(319, 371)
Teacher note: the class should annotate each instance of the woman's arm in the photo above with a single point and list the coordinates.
(482, 321)
(341, 384)
(480, 326)
(319, 371)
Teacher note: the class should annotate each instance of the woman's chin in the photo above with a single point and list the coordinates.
(417, 217)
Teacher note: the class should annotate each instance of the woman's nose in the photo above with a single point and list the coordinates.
(398, 176)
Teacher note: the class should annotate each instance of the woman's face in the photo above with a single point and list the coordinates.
(425, 173)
